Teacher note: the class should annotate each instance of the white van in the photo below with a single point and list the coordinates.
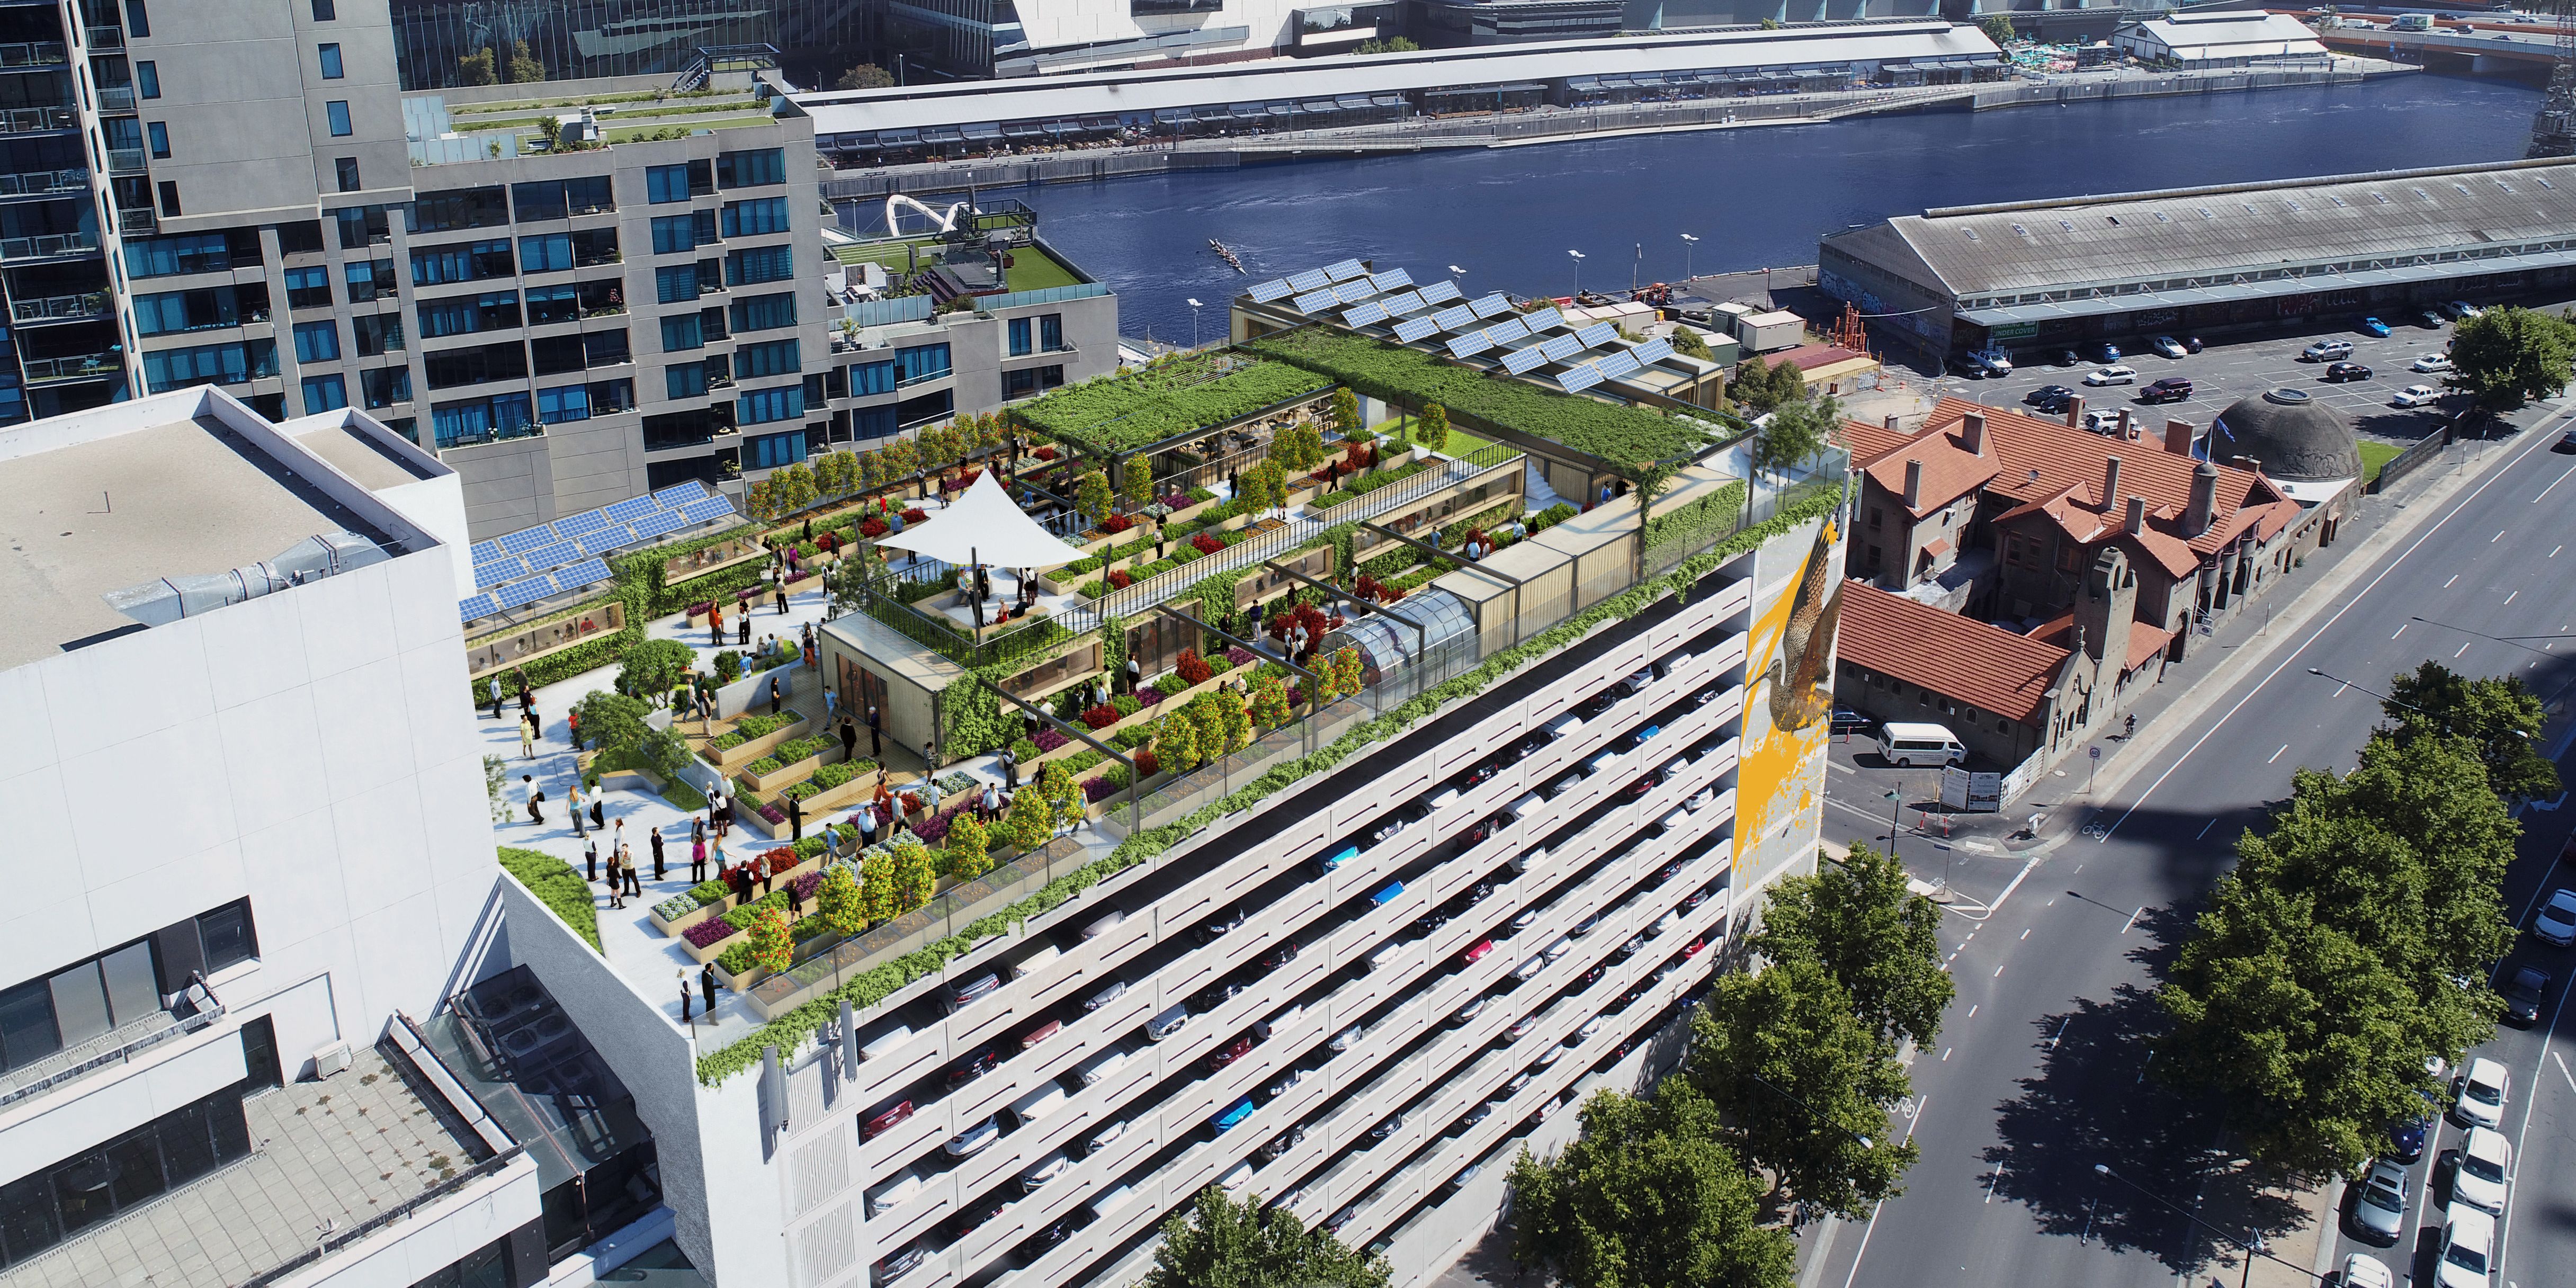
(893, 1194)
(877, 1047)
(1100, 1066)
(1037, 1104)
(1167, 1023)
(1912, 745)
(1035, 962)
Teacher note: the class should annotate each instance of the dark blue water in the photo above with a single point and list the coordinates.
(1755, 197)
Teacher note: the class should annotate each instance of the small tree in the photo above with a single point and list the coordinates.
(1860, 921)
(1207, 713)
(1222, 1243)
(2497, 717)
(1998, 29)
(876, 886)
(1269, 702)
(1341, 673)
(653, 666)
(1238, 723)
(1176, 742)
(496, 779)
(524, 67)
(1432, 430)
(865, 76)
(773, 948)
(1138, 476)
(1063, 794)
(477, 68)
(1648, 1197)
(1346, 412)
(2505, 357)
(1029, 821)
(1091, 493)
(611, 720)
(914, 877)
(839, 902)
(1686, 342)
(969, 844)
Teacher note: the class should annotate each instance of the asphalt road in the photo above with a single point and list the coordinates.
(2041, 1070)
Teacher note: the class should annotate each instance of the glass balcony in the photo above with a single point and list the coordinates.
(40, 183)
(30, 54)
(37, 120)
(86, 366)
(125, 161)
(49, 246)
(105, 37)
(59, 308)
(136, 223)
(116, 98)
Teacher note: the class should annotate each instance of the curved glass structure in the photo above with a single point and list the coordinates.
(1394, 656)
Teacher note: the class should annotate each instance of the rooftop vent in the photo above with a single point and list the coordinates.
(159, 603)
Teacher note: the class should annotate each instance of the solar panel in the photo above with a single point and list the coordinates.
(1311, 279)
(1352, 292)
(488, 575)
(1506, 331)
(589, 572)
(1562, 348)
(628, 511)
(1493, 305)
(1393, 279)
(1414, 330)
(526, 592)
(1440, 292)
(1316, 301)
(554, 556)
(659, 522)
(1577, 378)
(1407, 302)
(677, 495)
(1617, 364)
(1345, 270)
(1546, 319)
(1653, 351)
(475, 609)
(527, 539)
(1521, 362)
(1271, 290)
(711, 508)
(1597, 335)
(606, 539)
(1473, 342)
(1453, 319)
(1365, 315)
(581, 525)
(485, 551)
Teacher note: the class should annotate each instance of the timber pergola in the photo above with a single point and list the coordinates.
(1314, 683)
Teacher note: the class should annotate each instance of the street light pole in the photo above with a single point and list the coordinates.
(1195, 306)
(1895, 814)
(1578, 272)
(2255, 1248)
(1690, 247)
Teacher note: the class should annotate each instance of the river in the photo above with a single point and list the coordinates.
(1755, 197)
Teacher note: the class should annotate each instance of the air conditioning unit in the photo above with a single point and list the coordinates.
(331, 1059)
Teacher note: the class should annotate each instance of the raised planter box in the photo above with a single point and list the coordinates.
(714, 950)
(769, 783)
(1145, 714)
(674, 926)
(818, 806)
(733, 758)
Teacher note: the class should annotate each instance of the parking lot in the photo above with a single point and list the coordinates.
(2234, 367)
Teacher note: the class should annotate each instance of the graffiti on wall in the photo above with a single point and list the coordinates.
(1789, 661)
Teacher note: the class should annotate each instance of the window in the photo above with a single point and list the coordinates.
(751, 169)
(463, 262)
(676, 234)
(550, 253)
(553, 304)
(171, 312)
(678, 429)
(768, 358)
(872, 378)
(684, 380)
(606, 348)
(330, 62)
(159, 135)
(563, 403)
(1033, 380)
(476, 365)
(465, 314)
(610, 396)
(676, 283)
(77, 1003)
(369, 279)
(481, 420)
(325, 393)
(377, 333)
(761, 406)
(325, 11)
(666, 183)
(385, 386)
(360, 226)
(317, 341)
(1051, 332)
(191, 253)
(555, 354)
(58, 1201)
(209, 364)
(169, 189)
(137, 21)
(763, 264)
(872, 422)
(455, 209)
(308, 287)
(770, 451)
(346, 169)
(147, 79)
(769, 312)
(337, 111)
(1022, 340)
(682, 333)
(755, 217)
(921, 362)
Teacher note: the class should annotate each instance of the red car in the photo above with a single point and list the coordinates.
(1231, 1052)
(1483, 946)
(886, 1122)
(1695, 946)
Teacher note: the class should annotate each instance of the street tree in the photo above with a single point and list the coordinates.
(524, 67)
(1221, 1243)
(2498, 716)
(1806, 1085)
(1432, 431)
(611, 720)
(652, 667)
(2505, 357)
(1875, 937)
(2430, 797)
(865, 76)
(1647, 1197)
(477, 68)
(1998, 29)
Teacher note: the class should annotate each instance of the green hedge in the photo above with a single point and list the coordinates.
(1410, 378)
(1134, 409)
(557, 886)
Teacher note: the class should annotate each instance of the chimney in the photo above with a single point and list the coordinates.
(2137, 515)
(2204, 500)
(2178, 437)
(1972, 428)
(2110, 480)
(1913, 484)
(2075, 412)
(1890, 423)
(2126, 433)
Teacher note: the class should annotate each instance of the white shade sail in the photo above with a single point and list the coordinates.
(983, 524)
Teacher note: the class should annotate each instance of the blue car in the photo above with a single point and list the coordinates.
(2373, 326)
(2106, 352)
(1225, 1122)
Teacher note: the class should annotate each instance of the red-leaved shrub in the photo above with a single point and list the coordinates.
(1101, 717)
(872, 527)
(1193, 668)
(1206, 544)
(915, 515)
(1121, 579)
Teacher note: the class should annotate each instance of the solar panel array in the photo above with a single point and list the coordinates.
(1441, 293)
(523, 567)
(1493, 305)
(1416, 329)
(1345, 270)
(1311, 279)
(1579, 378)
(1521, 362)
(1271, 290)
(1597, 335)
(1655, 350)
(1545, 319)
(1368, 314)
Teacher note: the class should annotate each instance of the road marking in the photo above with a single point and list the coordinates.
(1881, 1205)
(2447, 585)
(2133, 919)
(2400, 631)
(2553, 552)
(1996, 1181)
(2277, 755)
(2025, 932)
(2204, 828)
(2464, 648)
(1945, 1055)
(2510, 598)
(1999, 972)
(2562, 1070)
(1972, 1011)
(2553, 484)
(2499, 536)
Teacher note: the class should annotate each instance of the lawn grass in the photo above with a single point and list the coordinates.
(1032, 269)
(1461, 443)
(558, 887)
(631, 134)
(2374, 455)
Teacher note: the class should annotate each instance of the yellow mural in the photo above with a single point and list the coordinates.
(1788, 657)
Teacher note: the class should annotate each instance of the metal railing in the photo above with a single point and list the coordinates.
(32, 120)
(105, 37)
(116, 98)
(33, 183)
(126, 161)
(206, 1013)
(59, 308)
(47, 246)
(1043, 295)
(925, 378)
(34, 53)
(78, 367)
(137, 223)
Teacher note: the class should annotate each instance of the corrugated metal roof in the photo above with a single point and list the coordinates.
(2378, 223)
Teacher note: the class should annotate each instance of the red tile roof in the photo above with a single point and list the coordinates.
(1984, 666)
(2145, 639)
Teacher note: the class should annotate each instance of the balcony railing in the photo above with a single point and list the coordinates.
(106, 37)
(137, 223)
(34, 120)
(47, 246)
(199, 1008)
(925, 378)
(34, 53)
(116, 98)
(59, 308)
(37, 183)
(80, 367)
(125, 161)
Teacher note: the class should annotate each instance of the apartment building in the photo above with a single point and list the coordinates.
(251, 849)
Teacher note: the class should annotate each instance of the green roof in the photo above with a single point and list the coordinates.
(1614, 432)
(1133, 409)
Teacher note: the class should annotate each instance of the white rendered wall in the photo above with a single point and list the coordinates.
(1053, 23)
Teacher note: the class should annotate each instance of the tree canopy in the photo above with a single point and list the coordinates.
(1220, 1243)
(1647, 1197)
(865, 76)
(2505, 357)
(611, 720)
(1878, 940)
(2497, 715)
(1809, 1084)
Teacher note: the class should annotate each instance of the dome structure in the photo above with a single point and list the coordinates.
(2292, 436)
(1391, 651)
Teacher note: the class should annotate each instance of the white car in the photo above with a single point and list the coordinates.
(973, 1140)
(2417, 396)
(2361, 1270)
(2431, 362)
(2112, 376)
(2462, 309)
(2556, 923)
(2480, 1094)
(2486, 1166)
(2468, 1243)
(2168, 346)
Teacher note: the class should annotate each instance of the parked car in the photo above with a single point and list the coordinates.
(1213, 930)
(2339, 372)
(886, 1120)
(1476, 952)
(2468, 1246)
(2478, 1096)
(1280, 954)
(896, 1265)
(2191, 344)
(1108, 993)
(2170, 389)
(2429, 320)
(2417, 396)
(2111, 376)
(974, 1066)
(2361, 1270)
(2431, 362)
(972, 991)
(2168, 346)
(1846, 720)
(2064, 358)
(2106, 352)
(2482, 1170)
(2462, 309)
(1520, 1029)
(1049, 1168)
(2377, 1213)
(1467, 1014)
(2566, 443)
(974, 1140)
(2556, 923)
(2326, 351)
(2373, 326)
(2049, 398)
(2523, 995)
(1230, 1052)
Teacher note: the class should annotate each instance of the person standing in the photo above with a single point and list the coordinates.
(1135, 675)
(527, 736)
(536, 797)
(616, 883)
(742, 629)
(795, 819)
(598, 818)
(774, 699)
(590, 859)
(698, 860)
(876, 733)
(986, 806)
(657, 853)
(1010, 770)
(715, 626)
(707, 987)
(576, 807)
(496, 697)
(715, 854)
(572, 727)
(868, 826)
(780, 594)
(930, 794)
(831, 697)
(626, 864)
(849, 739)
(685, 999)
(527, 692)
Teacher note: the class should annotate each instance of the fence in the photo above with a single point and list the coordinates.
(2412, 459)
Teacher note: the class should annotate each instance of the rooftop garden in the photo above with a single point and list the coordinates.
(1164, 400)
(1033, 267)
(660, 102)
(1615, 433)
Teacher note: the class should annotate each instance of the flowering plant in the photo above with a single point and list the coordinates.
(707, 933)
(1240, 656)
(915, 515)
(1044, 453)
(1193, 668)
(1101, 717)
(872, 527)
(1206, 544)
(1048, 740)
(1116, 523)
(1121, 579)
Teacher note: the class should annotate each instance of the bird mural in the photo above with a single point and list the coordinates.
(1800, 677)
